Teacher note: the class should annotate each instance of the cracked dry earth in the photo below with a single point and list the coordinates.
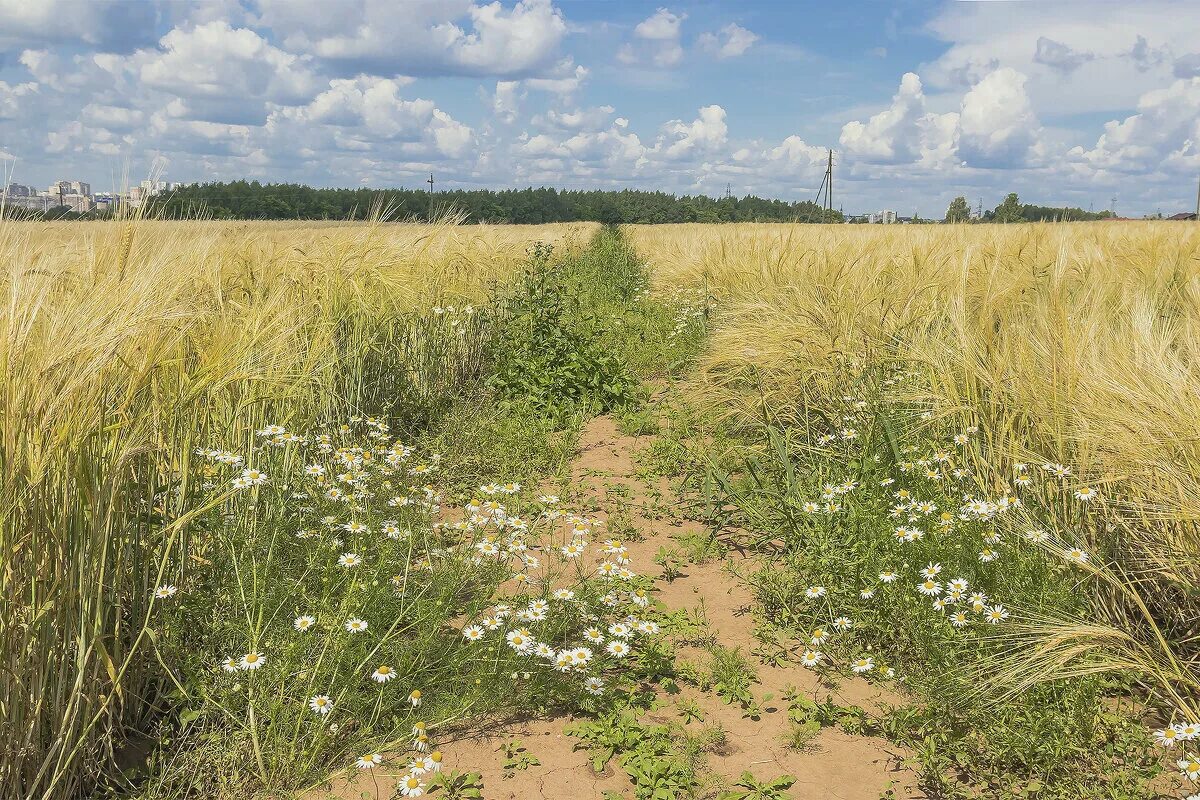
(834, 765)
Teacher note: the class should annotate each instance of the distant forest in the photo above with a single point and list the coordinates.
(254, 200)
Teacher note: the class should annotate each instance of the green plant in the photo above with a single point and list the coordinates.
(517, 758)
(458, 785)
(731, 675)
(671, 562)
(751, 788)
(546, 355)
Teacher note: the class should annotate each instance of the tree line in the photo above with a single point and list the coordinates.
(267, 201)
(1013, 210)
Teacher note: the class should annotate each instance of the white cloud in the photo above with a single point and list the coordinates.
(506, 100)
(661, 26)
(114, 25)
(219, 66)
(731, 41)
(1103, 60)
(422, 38)
(10, 95)
(367, 109)
(687, 139)
(997, 126)
(1165, 133)
(581, 119)
(904, 132)
(656, 41)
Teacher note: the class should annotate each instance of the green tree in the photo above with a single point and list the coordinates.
(958, 211)
(1009, 210)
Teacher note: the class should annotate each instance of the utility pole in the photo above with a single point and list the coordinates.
(829, 197)
(1198, 200)
(979, 213)
(728, 191)
(430, 182)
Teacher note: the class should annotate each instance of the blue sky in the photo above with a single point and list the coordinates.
(1064, 102)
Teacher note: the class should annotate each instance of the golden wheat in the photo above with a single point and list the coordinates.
(1072, 343)
(123, 347)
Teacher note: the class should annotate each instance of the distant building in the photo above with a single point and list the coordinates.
(886, 217)
(1183, 217)
(18, 190)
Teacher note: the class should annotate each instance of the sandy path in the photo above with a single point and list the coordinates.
(834, 765)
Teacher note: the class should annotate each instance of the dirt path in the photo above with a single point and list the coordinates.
(832, 765)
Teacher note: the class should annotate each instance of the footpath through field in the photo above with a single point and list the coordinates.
(832, 764)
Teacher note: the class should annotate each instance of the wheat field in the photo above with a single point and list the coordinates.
(126, 345)
(1072, 344)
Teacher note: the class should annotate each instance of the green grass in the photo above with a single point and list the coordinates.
(778, 483)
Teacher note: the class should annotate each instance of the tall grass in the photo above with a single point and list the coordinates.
(125, 346)
(1070, 343)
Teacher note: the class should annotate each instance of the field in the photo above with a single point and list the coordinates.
(748, 511)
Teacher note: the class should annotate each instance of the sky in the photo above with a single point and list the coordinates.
(1089, 104)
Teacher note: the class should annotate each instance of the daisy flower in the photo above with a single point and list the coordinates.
(356, 625)
(842, 623)
(320, 704)
(1086, 494)
(472, 633)
(414, 697)
(593, 686)
(931, 571)
(231, 664)
(958, 619)
(165, 591)
(383, 673)
(1189, 767)
(929, 587)
(996, 614)
(349, 560)
(304, 622)
(368, 761)
(1168, 736)
(888, 576)
(819, 635)
(620, 630)
(813, 592)
(617, 648)
(863, 665)
(411, 786)
(1076, 555)
(811, 658)
(867, 594)
(252, 661)
(254, 477)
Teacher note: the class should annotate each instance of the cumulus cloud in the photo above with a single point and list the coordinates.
(506, 101)
(729, 42)
(656, 40)
(1165, 132)
(365, 110)
(224, 74)
(997, 126)
(442, 37)
(704, 134)
(904, 132)
(112, 25)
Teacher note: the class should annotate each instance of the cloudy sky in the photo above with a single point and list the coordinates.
(1065, 102)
